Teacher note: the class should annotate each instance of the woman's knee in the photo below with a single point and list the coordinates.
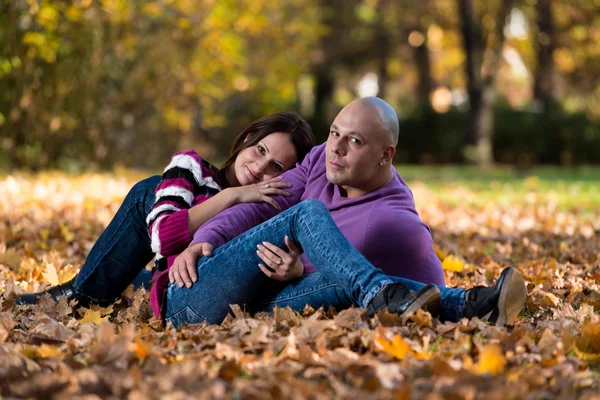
(144, 191)
(146, 185)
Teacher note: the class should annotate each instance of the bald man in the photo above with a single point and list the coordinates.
(349, 235)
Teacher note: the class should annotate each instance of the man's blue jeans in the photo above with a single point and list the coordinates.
(120, 254)
(344, 278)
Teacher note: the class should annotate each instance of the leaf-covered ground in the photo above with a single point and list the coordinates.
(547, 228)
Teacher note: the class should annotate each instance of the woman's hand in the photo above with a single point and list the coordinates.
(183, 271)
(260, 192)
(286, 264)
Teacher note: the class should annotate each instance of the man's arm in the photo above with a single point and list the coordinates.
(401, 245)
(241, 217)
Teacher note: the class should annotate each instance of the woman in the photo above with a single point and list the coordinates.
(159, 215)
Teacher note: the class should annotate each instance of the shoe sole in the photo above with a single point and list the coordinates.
(429, 301)
(513, 295)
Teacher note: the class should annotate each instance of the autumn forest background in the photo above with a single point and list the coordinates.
(499, 107)
(97, 83)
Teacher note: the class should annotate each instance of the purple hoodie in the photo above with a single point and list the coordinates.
(383, 225)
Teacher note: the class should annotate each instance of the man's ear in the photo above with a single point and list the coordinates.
(388, 153)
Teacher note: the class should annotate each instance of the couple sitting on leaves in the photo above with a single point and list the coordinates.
(338, 228)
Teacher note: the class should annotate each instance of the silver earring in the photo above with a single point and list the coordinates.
(380, 163)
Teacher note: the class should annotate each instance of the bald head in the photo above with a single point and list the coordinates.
(387, 115)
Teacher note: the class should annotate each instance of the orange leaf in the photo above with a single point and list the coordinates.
(140, 350)
(48, 351)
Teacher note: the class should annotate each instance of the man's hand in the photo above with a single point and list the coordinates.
(183, 271)
(286, 264)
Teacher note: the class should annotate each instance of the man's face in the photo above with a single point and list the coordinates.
(354, 148)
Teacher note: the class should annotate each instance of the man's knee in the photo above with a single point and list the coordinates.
(313, 206)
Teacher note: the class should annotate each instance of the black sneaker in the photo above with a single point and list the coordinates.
(499, 304)
(56, 292)
(398, 299)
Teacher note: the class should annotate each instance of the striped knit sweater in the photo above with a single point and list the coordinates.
(186, 182)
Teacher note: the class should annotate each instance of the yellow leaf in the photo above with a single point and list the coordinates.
(491, 360)
(564, 247)
(66, 233)
(93, 317)
(50, 274)
(48, 351)
(439, 253)
(453, 263)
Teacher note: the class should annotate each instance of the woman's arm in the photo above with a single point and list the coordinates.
(259, 192)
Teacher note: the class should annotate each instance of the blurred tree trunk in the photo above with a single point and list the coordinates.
(324, 84)
(543, 88)
(480, 80)
(423, 62)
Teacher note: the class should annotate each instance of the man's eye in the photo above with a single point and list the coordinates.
(356, 141)
(261, 149)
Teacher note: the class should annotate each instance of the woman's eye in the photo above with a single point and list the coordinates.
(261, 149)
(278, 167)
(334, 133)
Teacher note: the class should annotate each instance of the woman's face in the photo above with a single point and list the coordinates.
(270, 157)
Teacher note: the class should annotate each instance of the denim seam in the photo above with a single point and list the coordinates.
(302, 294)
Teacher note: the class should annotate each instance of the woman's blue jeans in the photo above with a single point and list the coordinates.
(120, 254)
(344, 278)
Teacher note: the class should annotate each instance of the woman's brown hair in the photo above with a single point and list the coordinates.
(297, 128)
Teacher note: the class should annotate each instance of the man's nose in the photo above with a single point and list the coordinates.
(338, 148)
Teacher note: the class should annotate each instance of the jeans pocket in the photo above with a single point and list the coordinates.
(185, 316)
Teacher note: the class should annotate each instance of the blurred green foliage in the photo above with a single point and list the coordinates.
(126, 81)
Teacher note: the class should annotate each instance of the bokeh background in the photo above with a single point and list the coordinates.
(94, 84)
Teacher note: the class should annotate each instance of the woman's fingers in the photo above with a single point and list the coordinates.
(268, 257)
(278, 254)
(270, 201)
(276, 192)
(270, 274)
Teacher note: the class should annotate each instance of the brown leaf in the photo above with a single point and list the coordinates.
(6, 325)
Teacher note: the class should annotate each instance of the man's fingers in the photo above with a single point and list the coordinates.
(185, 276)
(176, 276)
(191, 271)
(207, 249)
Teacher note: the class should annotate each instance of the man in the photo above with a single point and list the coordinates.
(361, 234)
